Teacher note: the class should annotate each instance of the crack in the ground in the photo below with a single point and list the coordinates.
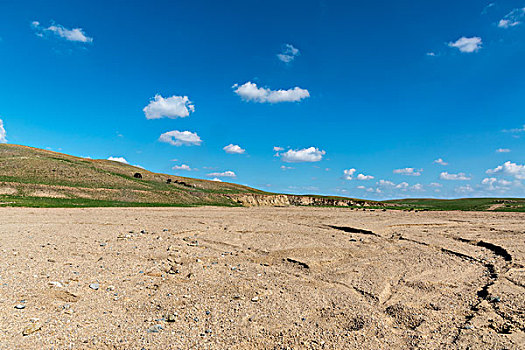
(353, 230)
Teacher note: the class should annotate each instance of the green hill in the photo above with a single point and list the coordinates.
(35, 177)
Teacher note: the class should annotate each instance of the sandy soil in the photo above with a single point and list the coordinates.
(260, 278)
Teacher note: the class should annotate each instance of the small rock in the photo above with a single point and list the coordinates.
(155, 328)
(208, 331)
(255, 299)
(56, 284)
(171, 318)
(94, 286)
(20, 306)
(32, 328)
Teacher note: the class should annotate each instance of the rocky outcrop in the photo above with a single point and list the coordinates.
(283, 200)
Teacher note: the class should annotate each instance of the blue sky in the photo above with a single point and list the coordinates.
(374, 99)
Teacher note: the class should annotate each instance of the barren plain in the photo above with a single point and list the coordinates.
(261, 278)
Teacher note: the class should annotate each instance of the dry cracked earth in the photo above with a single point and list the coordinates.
(260, 278)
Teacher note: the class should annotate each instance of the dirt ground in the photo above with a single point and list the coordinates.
(261, 278)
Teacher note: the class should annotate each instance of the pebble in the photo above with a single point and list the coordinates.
(171, 318)
(255, 299)
(32, 328)
(20, 306)
(155, 328)
(56, 284)
(94, 286)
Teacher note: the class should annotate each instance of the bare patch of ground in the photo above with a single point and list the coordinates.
(261, 278)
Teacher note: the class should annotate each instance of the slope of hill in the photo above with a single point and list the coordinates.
(40, 178)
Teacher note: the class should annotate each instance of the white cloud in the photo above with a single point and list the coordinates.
(348, 174)
(502, 150)
(402, 185)
(216, 179)
(440, 161)
(408, 171)
(493, 184)
(431, 54)
(510, 169)
(486, 8)
(75, 34)
(417, 187)
(386, 183)
(233, 149)
(182, 167)
(180, 138)
(512, 19)
(464, 189)
(250, 92)
(119, 159)
(288, 53)
(454, 177)
(468, 45)
(284, 167)
(435, 184)
(3, 134)
(169, 107)
(364, 177)
(278, 149)
(311, 154)
(228, 173)
(517, 130)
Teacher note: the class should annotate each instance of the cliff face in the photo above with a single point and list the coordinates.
(283, 200)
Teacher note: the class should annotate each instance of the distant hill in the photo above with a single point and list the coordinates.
(39, 178)
(33, 177)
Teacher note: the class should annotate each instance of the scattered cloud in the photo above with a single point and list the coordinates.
(75, 34)
(250, 92)
(284, 167)
(278, 149)
(486, 8)
(216, 179)
(119, 159)
(431, 54)
(169, 107)
(363, 177)
(502, 150)
(228, 173)
(435, 184)
(512, 19)
(3, 134)
(408, 171)
(288, 53)
(464, 189)
(182, 167)
(467, 45)
(494, 184)
(509, 169)
(311, 154)
(417, 187)
(517, 130)
(233, 149)
(181, 138)
(348, 174)
(453, 177)
(440, 161)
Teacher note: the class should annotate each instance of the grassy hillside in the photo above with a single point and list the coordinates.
(472, 204)
(35, 177)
